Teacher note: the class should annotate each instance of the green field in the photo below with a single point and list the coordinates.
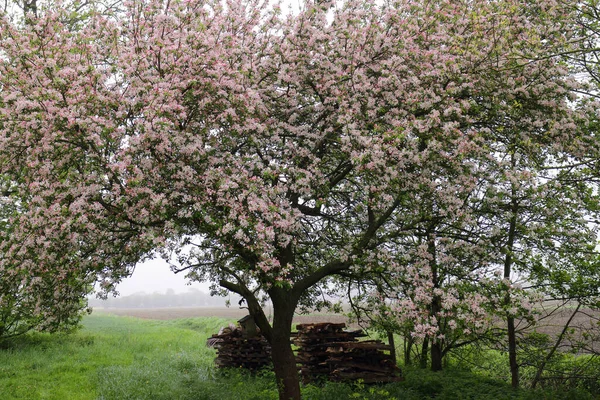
(120, 358)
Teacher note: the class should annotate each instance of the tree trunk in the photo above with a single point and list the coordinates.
(278, 335)
(436, 303)
(424, 352)
(408, 344)
(436, 344)
(284, 364)
(512, 352)
(436, 356)
(392, 344)
(284, 361)
(508, 261)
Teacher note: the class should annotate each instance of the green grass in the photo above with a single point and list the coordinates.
(119, 358)
(110, 358)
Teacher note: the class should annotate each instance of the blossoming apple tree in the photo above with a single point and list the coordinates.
(260, 151)
(30, 300)
(526, 211)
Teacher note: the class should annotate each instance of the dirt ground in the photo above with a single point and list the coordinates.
(222, 312)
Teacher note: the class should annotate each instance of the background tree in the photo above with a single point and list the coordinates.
(30, 300)
(35, 293)
(516, 204)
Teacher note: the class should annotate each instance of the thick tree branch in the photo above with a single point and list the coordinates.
(327, 270)
(254, 306)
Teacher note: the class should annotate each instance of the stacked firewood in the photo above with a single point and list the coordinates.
(326, 350)
(370, 361)
(236, 349)
(312, 341)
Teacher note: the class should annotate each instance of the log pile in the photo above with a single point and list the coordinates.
(369, 361)
(327, 350)
(235, 349)
(312, 341)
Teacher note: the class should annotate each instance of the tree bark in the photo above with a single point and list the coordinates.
(436, 345)
(284, 364)
(284, 361)
(508, 261)
(408, 344)
(424, 353)
(436, 302)
(278, 335)
(512, 352)
(392, 344)
(436, 356)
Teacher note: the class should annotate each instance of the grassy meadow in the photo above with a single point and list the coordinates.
(119, 358)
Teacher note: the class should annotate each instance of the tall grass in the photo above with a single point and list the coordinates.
(110, 358)
(120, 358)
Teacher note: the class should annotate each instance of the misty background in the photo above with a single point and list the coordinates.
(154, 285)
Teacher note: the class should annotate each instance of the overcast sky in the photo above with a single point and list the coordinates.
(155, 276)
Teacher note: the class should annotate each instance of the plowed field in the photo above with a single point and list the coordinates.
(222, 312)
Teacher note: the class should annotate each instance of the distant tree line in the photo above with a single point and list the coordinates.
(192, 298)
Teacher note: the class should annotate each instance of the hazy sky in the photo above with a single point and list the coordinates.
(155, 276)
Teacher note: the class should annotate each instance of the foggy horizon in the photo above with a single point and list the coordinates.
(156, 276)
